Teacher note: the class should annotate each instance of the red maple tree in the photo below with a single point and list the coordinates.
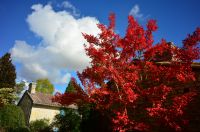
(126, 77)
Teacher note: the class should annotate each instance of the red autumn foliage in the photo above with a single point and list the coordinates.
(125, 78)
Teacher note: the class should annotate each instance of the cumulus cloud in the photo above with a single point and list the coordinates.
(135, 11)
(61, 48)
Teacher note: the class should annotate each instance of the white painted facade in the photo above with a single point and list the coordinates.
(43, 112)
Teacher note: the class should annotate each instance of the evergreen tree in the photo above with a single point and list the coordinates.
(7, 80)
(70, 87)
(7, 72)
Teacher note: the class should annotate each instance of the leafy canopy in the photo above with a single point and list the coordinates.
(44, 86)
(39, 125)
(7, 96)
(126, 78)
(67, 120)
(19, 87)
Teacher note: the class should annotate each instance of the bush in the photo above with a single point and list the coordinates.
(7, 96)
(11, 117)
(19, 129)
(67, 120)
(39, 125)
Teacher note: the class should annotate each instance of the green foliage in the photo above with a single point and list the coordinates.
(18, 129)
(84, 110)
(7, 72)
(7, 96)
(7, 80)
(19, 87)
(11, 117)
(85, 119)
(70, 87)
(68, 120)
(44, 86)
(39, 125)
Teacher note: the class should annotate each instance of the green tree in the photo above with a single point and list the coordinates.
(7, 80)
(44, 86)
(68, 120)
(7, 72)
(70, 86)
(11, 117)
(19, 87)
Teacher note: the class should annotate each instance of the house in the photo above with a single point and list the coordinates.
(36, 105)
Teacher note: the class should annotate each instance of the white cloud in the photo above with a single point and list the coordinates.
(135, 11)
(68, 5)
(61, 48)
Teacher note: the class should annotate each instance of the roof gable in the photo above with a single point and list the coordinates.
(40, 99)
(43, 99)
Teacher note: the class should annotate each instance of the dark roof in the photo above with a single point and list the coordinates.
(195, 65)
(43, 99)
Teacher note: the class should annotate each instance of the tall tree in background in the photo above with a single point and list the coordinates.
(44, 86)
(7, 80)
(19, 87)
(126, 79)
(7, 72)
(70, 87)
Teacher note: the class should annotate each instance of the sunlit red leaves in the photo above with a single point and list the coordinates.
(129, 92)
(185, 74)
(174, 112)
(151, 25)
(123, 123)
(191, 48)
(179, 102)
(112, 21)
(125, 76)
(192, 39)
(160, 52)
(91, 39)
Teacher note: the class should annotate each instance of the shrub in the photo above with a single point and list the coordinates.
(7, 96)
(11, 117)
(68, 120)
(39, 125)
(19, 129)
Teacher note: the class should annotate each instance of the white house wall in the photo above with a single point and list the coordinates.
(43, 112)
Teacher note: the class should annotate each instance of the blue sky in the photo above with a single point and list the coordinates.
(26, 30)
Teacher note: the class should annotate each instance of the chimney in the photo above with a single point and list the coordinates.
(32, 87)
